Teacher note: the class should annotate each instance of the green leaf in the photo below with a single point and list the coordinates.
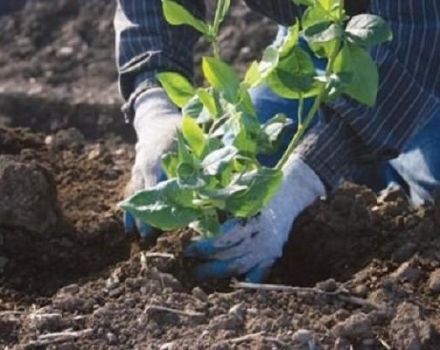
(193, 135)
(176, 14)
(253, 75)
(357, 62)
(182, 150)
(170, 162)
(224, 193)
(222, 77)
(216, 161)
(193, 107)
(314, 15)
(269, 62)
(294, 75)
(208, 225)
(290, 41)
(209, 102)
(177, 87)
(245, 103)
(368, 30)
(304, 2)
(223, 11)
(275, 126)
(166, 206)
(263, 184)
(323, 33)
(188, 176)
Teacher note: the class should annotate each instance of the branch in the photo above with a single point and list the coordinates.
(339, 294)
(59, 337)
(153, 308)
(249, 337)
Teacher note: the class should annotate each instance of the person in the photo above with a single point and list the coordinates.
(395, 143)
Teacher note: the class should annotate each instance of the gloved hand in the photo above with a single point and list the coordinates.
(250, 248)
(156, 121)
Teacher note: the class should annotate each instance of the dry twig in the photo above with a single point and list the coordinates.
(252, 336)
(153, 308)
(339, 294)
(59, 337)
(160, 255)
(384, 344)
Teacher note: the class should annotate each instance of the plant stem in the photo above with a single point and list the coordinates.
(216, 49)
(217, 19)
(300, 110)
(216, 27)
(303, 126)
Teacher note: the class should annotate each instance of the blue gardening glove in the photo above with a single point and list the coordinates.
(250, 248)
(156, 121)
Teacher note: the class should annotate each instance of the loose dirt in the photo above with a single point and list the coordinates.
(365, 271)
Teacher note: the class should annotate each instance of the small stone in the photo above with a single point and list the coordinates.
(392, 194)
(70, 289)
(341, 314)
(238, 310)
(342, 344)
(328, 285)
(360, 290)
(96, 152)
(355, 327)
(168, 346)
(111, 338)
(410, 331)
(28, 196)
(434, 281)
(200, 294)
(225, 322)
(47, 322)
(66, 138)
(303, 337)
(368, 342)
(407, 273)
(65, 52)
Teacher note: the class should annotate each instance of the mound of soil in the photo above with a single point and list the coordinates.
(360, 272)
(370, 268)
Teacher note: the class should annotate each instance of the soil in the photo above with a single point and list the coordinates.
(365, 271)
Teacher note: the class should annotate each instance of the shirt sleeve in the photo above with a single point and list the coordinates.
(354, 135)
(146, 44)
(283, 12)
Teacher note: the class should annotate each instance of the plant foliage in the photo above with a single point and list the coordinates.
(215, 173)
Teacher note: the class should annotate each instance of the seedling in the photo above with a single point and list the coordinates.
(214, 174)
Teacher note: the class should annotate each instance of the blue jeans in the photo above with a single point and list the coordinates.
(416, 170)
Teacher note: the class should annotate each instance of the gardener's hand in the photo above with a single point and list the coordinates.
(251, 248)
(156, 121)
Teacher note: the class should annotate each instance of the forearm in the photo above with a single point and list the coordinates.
(355, 135)
(147, 44)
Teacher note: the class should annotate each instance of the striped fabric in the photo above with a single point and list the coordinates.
(353, 135)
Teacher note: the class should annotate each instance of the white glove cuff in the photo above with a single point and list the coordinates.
(300, 188)
(153, 107)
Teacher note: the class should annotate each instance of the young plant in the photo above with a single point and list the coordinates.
(214, 174)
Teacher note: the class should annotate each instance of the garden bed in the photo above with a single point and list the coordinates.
(365, 270)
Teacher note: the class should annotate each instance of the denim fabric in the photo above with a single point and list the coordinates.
(8, 6)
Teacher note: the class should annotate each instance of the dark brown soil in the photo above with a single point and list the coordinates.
(87, 285)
